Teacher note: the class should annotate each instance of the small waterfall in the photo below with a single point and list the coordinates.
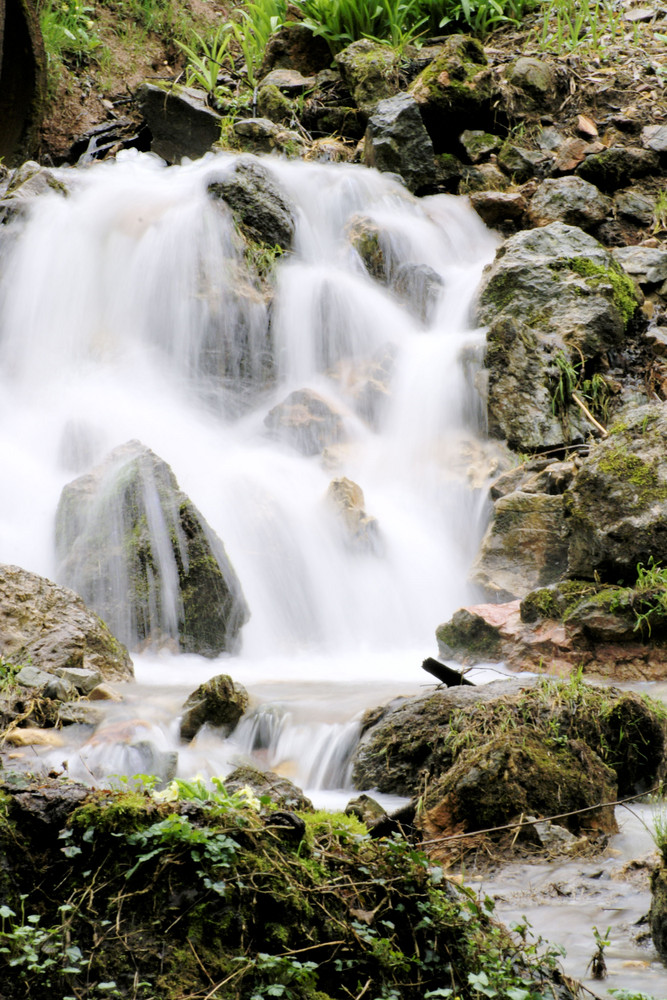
(127, 312)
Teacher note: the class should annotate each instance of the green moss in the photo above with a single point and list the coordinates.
(624, 294)
(629, 468)
(470, 634)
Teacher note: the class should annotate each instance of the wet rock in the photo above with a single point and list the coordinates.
(469, 637)
(261, 135)
(145, 558)
(307, 422)
(26, 183)
(281, 791)
(632, 204)
(615, 167)
(83, 680)
(366, 809)
(499, 208)
(397, 141)
(370, 70)
(617, 504)
(552, 836)
(218, 702)
(571, 200)
(368, 384)
(180, 121)
(52, 627)
(260, 208)
(373, 244)
(80, 713)
(525, 545)
(360, 530)
(30, 737)
(455, 89)
(420, 287)
(104, 692)
(552, 294)
(519, 163)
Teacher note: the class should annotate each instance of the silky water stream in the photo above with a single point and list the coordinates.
(109, 300)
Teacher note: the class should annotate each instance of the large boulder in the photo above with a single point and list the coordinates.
(553, 297)
(571, 200)
(51, 627)
(140, 553)
(262, 211)
(397, 141)
(617, 504)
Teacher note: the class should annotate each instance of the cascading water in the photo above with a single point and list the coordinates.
(126, 313)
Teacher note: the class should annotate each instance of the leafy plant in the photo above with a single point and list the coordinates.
(68, 29)
(207, 59)
(660, 212)
(598, 964)
(31, 948)
(571, 24)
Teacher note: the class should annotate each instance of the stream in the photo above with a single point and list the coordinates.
(107, 302)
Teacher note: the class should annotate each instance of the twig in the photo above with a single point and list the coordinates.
(587, 413)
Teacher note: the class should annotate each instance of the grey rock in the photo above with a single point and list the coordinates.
(261, 209)
(281, 791)
(478, 144)
(420, 287)
(655, 137)
(521, 164)
(370, 70)
(52, 626)
(83, 680)
(289, 80)
(144, 557)
(82, 713)
(647, 265)
(307, 422)
(60, 690)
(634, 205)
(180, 121)
(261, 135)
(397, 141)
(571, 200)
(497, 208)
(536, 78)
(615, 167)
(32, 677)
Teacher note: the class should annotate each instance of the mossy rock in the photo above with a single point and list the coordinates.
(468, 638)
(370, 70)
(516, 774)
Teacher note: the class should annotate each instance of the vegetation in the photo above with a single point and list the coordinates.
(212, 895)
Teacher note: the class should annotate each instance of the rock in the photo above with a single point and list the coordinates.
(498, 208)
(647, 265)
(180, 121)
(27, 182)
(535, 83)
(218, 702)
(370, 70)
(520, 163)
(397, 141)
(366, 809)
(572, 152)
(289, 80)
(632, 204)
(281, 791)
(658, 911)
(504, 779)
(34, 738)
(571, 200)
(615, 167)
(420, 288)
(455, 89)
(83, 680)
(360, 530)
(52, 627)
(260, 135)
(294, 46)
(307, 422)
(272, 104)
(373, 244)
(59, 689)
(145, 558)
(617, 504)
(524, 546)
(350, 123)
(487, 176)
(260, 208)
(478, 145)
(367, 385)
(31, 677)
(80, 713)
(552, 296)
(552, 836)
(654, 137)
(469, 638)
(104, 692)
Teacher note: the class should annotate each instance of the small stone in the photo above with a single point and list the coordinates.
(34, 737)
(534, 76)
(586, 126)
(521, 164)
(497, 207)
(647, 266)
(478, 144)
(288, 79)
(83, 680)
(633, 205)
(60, 690)
(568, 199)
(655, 137)
(32, 677)
(104, 692)
(219, 702)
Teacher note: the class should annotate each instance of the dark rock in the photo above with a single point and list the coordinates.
(571, 200)
(535, 82)
(478, 145)
(615, 167)
(23, 95)
(261, 209)
(180, 121)
(272, 104)
(218, 702)
(145, 558)
(498, 208)
(632, 204)
(420, 287)
(52, 627)
(658, 911)
(520, 163)
(397, 141)
(294, 46)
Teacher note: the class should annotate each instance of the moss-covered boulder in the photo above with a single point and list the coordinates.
(176, 898)
(141, 554)
(455, 89)
(552, 297)
(370, 70)
(51, 628)
(617, 504)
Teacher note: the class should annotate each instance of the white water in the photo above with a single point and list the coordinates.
(111, 304)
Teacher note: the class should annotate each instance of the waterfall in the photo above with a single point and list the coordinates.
(124, 315)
